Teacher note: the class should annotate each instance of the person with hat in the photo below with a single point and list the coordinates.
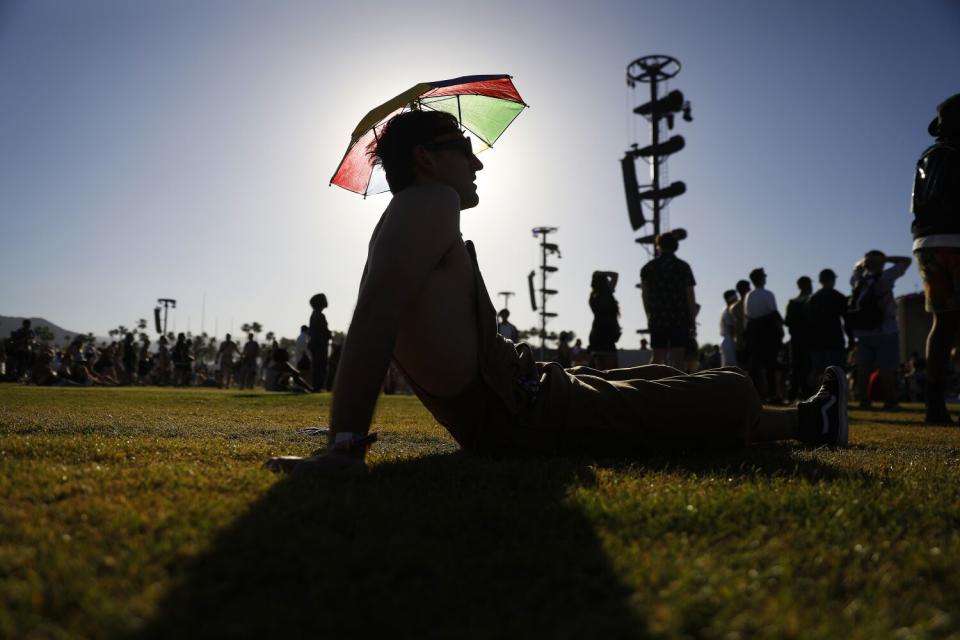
(936, 245)
(826, 310)
(764, 335)
(423, 306)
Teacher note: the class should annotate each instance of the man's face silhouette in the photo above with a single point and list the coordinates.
(451, 161)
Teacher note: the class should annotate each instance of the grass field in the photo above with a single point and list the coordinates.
(139, 512)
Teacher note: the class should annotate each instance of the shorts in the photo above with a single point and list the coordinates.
(674, 336)
(880, 351)
(940, 270)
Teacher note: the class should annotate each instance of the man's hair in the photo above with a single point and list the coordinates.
(318, 300)
(757, 276)
(504, 313)
(804, 282)
(667, 242)
(827, 275)
(393, 149)
(729, 295)
(743, 286)
(875, 253)
(303, 328)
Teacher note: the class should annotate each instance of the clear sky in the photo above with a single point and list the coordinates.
(182, 149)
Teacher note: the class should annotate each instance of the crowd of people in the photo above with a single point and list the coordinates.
(784, 354)
(176, 360)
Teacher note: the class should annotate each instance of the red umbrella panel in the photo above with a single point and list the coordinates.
(483, 105)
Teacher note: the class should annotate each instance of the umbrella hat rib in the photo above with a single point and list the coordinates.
(379, 113)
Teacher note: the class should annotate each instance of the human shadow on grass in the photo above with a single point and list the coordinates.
(438, 546)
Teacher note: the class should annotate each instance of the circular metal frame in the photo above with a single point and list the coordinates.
(653, 68)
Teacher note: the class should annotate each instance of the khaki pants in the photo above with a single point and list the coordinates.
(583, 410)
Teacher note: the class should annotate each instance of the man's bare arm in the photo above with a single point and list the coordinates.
(422, 225)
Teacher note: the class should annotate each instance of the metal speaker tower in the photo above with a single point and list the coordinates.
(167, 304)
(546, 249)
(653, 70)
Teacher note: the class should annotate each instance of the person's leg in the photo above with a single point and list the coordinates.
(320, 376)
(940, 271)
(756, 368)
(866, 365)
(777, 423)
(939, 341)
(770, 372)
(582, 412)
(645, 372)
(888, 363)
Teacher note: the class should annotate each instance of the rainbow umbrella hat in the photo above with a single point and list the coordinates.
(484, 105)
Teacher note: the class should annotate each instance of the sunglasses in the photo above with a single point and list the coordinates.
(463, 145)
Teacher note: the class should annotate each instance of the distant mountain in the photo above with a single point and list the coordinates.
(60, 335)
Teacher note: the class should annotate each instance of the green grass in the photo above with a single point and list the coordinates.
(144, 513)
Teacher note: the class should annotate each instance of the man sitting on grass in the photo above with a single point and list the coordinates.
(423, 303)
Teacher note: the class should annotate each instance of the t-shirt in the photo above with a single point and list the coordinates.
(797, 321)
(508, 331)
(826, 309)
(884, 290)
(319, 332)
(665, 280)
(759, 303)
(728, 323)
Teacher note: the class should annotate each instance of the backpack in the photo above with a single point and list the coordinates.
(864, 311)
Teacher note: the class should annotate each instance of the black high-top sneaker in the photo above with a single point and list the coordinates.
(823, 416)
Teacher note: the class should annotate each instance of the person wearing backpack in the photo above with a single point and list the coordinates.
(872, 316)
(936, 244)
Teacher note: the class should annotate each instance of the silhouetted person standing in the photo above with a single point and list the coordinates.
(228, 349)
(505, 328)
(21, 349)
(667, 286)
(936, 245)
(878, 343)
(182, 361)
(728, 328)
(798, 323)
(248, 363)
(764, 335)
(319, 342)
(826, 309)
(605, 330)
(130, 358)
(740, 323)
